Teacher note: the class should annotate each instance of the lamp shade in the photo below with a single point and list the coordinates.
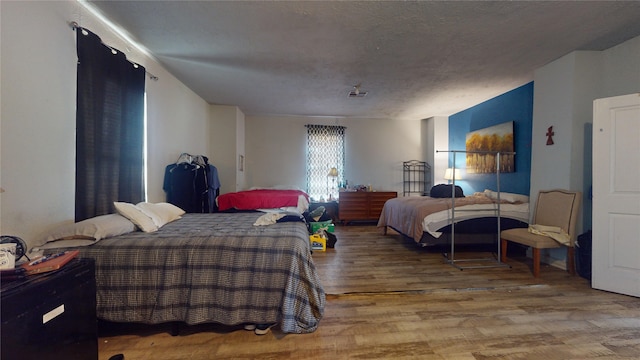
(449, 174)
(333, 172)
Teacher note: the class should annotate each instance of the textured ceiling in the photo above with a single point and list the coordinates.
(415, 59)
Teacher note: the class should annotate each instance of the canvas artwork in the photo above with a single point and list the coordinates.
(484, 145)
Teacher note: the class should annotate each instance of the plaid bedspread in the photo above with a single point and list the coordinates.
(210, 268)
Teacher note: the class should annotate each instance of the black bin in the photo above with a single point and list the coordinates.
(583, 255)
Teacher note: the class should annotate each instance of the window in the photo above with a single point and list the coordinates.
(325, 150)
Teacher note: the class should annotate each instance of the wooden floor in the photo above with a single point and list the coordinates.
(389, 299)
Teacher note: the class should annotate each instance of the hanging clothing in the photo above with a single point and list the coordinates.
(214, 187)
(192, 184)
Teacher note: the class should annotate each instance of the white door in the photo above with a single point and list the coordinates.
(616, 194)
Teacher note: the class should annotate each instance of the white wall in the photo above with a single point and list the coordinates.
(275, 151)
(621, 72)
(435, 139)
(553, 106)
(240, 150)
(588, 86)
(38, 87)
(37, 156)
(375, 150)
(227, 144)
(563, 94)
(178, 122)
(557, 104)
(564, 91)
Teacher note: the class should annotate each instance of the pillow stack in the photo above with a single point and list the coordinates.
(149, 217)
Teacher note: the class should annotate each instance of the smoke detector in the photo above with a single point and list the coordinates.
(356, 92)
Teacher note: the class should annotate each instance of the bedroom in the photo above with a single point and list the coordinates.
(48, 146)
(38, 108)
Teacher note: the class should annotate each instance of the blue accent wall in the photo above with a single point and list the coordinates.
(515, 105)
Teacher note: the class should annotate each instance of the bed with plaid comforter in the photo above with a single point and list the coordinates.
(210, 268)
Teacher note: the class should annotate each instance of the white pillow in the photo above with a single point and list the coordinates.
(514, 198)
(91, 230)
(137, 216)
(161, 213)
(508, 197)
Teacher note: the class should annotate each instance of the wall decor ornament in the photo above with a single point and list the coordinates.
(550, 134)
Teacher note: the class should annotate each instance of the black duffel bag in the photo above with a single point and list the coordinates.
(444, 191)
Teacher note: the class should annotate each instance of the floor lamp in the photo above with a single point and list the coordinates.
(333, 174)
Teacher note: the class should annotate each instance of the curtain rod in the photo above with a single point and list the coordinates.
(74, 25)
(338, 126)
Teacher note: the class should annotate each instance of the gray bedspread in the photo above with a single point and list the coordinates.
(210, 268)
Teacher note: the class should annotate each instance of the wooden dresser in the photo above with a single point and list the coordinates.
(362, 205)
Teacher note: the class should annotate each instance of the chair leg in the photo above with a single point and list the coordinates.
(536, 262)
(503, 250)
(571, 261)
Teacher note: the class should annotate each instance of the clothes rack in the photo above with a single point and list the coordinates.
(488, 262)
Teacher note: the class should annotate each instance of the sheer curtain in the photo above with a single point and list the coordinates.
(325, 149)
(109, 128)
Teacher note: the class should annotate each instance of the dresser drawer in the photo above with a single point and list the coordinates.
(363, 205)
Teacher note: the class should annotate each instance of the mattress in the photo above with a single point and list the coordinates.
(413, 216)
(210, 268)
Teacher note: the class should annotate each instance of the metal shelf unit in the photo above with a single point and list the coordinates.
(416, 177)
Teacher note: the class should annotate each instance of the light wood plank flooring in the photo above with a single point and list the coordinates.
(389, 299)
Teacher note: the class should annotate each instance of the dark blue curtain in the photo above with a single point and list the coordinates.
(109, 128)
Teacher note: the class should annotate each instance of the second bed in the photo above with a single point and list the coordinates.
(429, 221)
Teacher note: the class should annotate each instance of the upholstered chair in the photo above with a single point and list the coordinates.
(553, 226)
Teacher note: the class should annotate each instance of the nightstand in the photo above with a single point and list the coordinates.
(330, 208)
(51, 315)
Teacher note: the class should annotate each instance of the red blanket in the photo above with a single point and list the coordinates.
(259, 199)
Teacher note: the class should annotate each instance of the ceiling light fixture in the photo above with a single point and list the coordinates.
(356, 92)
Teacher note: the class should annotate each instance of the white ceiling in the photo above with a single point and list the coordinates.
(415, 59)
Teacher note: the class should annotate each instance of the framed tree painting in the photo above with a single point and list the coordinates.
(485, 145)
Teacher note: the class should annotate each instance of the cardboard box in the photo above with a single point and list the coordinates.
(322, 225)
(318, 242)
